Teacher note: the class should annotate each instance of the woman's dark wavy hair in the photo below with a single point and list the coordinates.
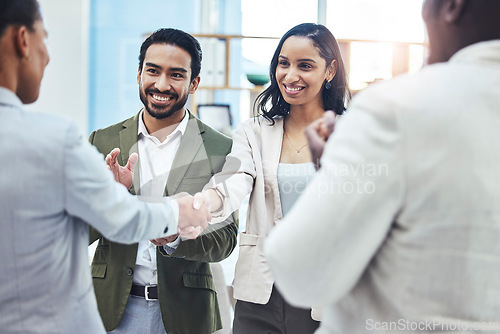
(21, 12)
(334, 98)
(177, 38)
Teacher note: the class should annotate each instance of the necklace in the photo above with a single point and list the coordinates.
(293, 146)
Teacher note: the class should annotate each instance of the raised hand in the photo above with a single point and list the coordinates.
(317, 134)
(122, 174)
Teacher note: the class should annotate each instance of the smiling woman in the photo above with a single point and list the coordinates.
(307, 74)
(307, 77)
(301, 72)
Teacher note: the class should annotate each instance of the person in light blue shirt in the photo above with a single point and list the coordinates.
(54, 185)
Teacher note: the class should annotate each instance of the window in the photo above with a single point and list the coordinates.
(380, 38)
(264, 18)
(274, 18)
(381, 20)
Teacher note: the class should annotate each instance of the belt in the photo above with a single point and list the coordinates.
(150, 292)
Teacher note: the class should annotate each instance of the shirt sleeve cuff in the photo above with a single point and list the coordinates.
(172, 246)
(175, 213)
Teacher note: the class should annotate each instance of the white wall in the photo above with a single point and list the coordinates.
(64, 88)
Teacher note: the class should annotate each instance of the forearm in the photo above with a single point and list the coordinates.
(215, 199)
(226, 197)
(229, 187)
(216, 244)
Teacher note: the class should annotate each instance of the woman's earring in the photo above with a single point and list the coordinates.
(328, 85)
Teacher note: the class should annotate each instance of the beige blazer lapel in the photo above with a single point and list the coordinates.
(128, 145)
(190, 150)
(272, 139)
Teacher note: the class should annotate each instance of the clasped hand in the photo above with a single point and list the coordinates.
(193, 220)
(193, 217)
(317, 134)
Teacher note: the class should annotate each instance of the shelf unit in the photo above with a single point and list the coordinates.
(227, 40)
(401, 54)
(400, 59)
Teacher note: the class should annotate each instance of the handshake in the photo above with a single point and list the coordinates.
(195, 212)
(194, 215)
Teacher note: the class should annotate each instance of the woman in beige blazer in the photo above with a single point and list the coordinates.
(270, 160)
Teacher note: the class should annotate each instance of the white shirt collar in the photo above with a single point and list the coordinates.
(179, 130)
(9, 98)
(481, 52)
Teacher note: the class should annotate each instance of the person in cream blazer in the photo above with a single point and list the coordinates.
(410, 240)
(265, 149)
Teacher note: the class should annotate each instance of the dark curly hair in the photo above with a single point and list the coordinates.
(177, 38)
(21, 12)
(272, 104)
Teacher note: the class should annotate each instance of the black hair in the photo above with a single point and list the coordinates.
(20, 12)
(334, 98)
(177, 38)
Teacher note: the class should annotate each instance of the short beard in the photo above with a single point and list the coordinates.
(165, 113)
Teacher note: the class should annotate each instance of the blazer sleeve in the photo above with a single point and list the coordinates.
(217, 243)
(235, 180)
(218, 240)
(92, 195)
(346, 211)
(93, 233)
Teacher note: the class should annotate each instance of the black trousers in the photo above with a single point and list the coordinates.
(275, 317)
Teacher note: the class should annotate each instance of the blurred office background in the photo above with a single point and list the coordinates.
(94, 46)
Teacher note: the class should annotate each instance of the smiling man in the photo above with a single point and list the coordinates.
(164, 285)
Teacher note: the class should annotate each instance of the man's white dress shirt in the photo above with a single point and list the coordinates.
(155, 162)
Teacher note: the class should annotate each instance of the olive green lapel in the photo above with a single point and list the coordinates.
(128, 145)
(189, 150)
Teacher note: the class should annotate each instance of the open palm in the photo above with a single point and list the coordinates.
(122, 174)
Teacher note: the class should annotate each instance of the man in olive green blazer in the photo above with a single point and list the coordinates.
(186, 292)
(186, 289)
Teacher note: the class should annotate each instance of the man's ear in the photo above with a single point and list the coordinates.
(139, 72)
(21, 42)
(453, 10)
(194, 85)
